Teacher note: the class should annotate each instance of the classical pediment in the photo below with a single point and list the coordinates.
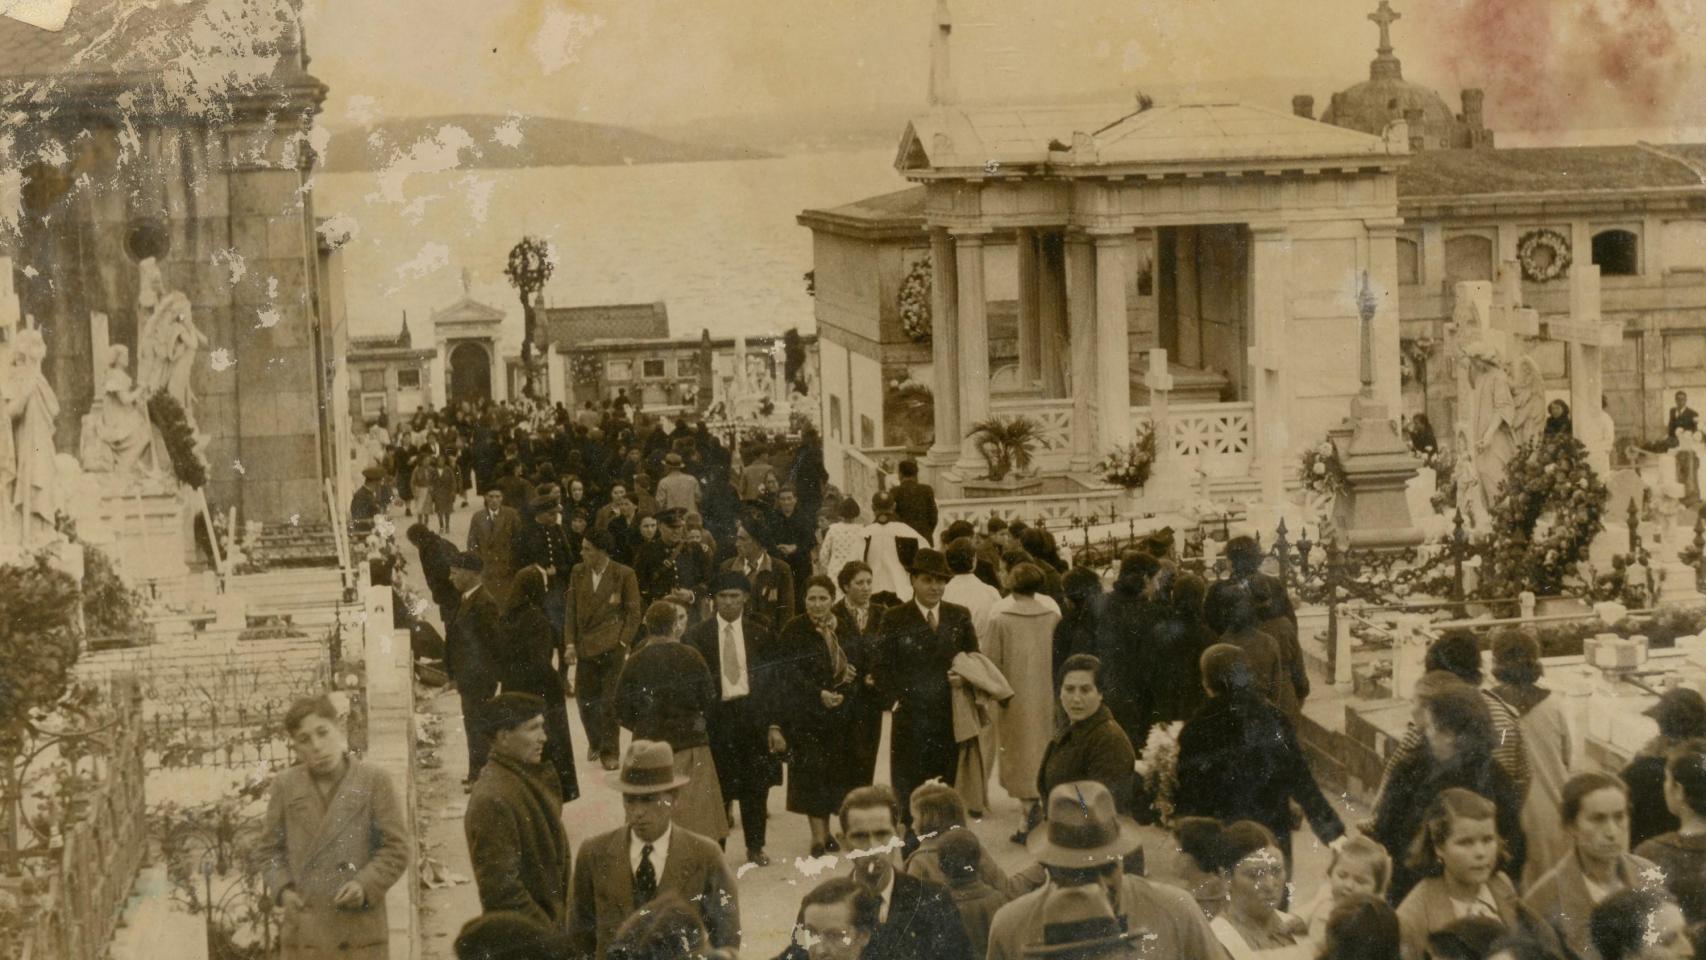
(467, 312)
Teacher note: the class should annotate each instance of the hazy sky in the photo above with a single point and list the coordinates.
(1546, 63)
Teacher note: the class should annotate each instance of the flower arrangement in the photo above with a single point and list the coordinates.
(1006, 444)
(914, 301)
(1159, 765)
(1547, 513)
(1128, 465)
(1544, 255)
(585, 367)
(168, 417)
(1322, 472)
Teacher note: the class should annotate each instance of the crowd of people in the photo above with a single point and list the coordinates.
(750, 628)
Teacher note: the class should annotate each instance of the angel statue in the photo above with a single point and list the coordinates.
(1529, 392)
(1492, 414)
(26, 452)
(167, 340)
(122, 427)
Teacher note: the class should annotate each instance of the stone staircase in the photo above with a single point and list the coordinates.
(295, 545)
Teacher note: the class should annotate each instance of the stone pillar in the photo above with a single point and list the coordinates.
(439, 372)
(1383, 280)
(1051, 313)
(1081, 309)
(945, 349)
(554, 377)
(500, 372)
(973, 346)
(1270, 251)
(1030, 327)
(1113, 341)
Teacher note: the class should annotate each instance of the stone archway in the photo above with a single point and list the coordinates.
(470, 373)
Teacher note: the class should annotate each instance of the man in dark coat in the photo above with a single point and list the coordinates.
(514, 822)
(491, 534)
(771, 582)
(915, 650)
(368, 501)
(603, 616)
(795, 534)
(436, 553)
(745, 722)
(544, 544)
(915, 502)
(470, 648)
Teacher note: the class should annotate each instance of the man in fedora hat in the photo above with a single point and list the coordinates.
(603, 615)
(471, 641)
(1079, 924)
(514, 824)
(678, 490)
(745, 717)
(627, 868)
(915, 650)
(1084, 843)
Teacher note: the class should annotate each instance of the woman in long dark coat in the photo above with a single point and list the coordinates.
(858, 620)
(1180, 637)
(823, 683)
(530, 641)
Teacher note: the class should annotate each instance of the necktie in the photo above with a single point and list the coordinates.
(930, 618)
(645, 878)
(731, 661)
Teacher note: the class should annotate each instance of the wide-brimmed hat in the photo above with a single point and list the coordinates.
(648, 767)
(1083, 829)
(1679, 708)
(931, 562)
(1078, 920)
(730, 580)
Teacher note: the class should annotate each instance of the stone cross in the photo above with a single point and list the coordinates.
(1587, 334)
(1384, 18)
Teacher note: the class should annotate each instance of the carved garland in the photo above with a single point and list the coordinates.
(1530, 247)
(914, 301)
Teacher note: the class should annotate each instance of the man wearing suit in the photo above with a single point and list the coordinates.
(1683, 419)
(603, 616)
(772, 583)
(620, 871)
(914, 502)
(915, 650)
(369, 501)
(795, 534)
(744, 721)
(470, 646)
(916, 919)
(514, 822)
(491, 534)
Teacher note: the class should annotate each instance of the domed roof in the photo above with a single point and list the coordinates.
(1386, 96)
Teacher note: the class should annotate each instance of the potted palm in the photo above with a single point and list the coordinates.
(1007, 444)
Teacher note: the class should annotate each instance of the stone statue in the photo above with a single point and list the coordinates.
(27, 473)
(122, 428)
(1491, 442)
(1529, 391)
(167, 340)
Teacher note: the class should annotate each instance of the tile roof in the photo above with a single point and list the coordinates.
(570, 326)
(1468, 173)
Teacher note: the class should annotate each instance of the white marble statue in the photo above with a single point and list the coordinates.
(167, 340)
(1529, 392)
(1491, 442)
(122, 428)
(27, 470)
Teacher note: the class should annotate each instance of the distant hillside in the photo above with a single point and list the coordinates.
(506, 142)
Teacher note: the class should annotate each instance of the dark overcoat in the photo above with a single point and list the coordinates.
(517, 843)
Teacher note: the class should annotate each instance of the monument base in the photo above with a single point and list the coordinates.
(1378, 469)
(148, 529)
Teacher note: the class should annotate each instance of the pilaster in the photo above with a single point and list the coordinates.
(1081, 311)
(944, 348)
(1113, 338)
(974, 344)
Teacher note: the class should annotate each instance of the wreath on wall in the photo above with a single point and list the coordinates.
(180, 439)
(914, 301)
(1547, 514)
(586, 367)
(1544, 255)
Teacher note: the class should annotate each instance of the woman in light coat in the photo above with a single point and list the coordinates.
(1546, 737)
(1020, 643)
(335, 842)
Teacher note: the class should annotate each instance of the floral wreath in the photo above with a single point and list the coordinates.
(1531, 243)
(1128, 465)
(914, 301)
(1554, 475)
(1322, 472)
(586, 367)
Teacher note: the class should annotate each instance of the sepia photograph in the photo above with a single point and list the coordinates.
(852, 480)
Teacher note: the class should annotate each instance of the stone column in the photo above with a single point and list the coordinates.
(1081, 309)
(1051, 313)
(554, 377)
(1270, 249)
(1383, 279)
(500, 372)
(973, 346)
(1030, 327)
(944, 349)
(439, 373)
(1113, 341)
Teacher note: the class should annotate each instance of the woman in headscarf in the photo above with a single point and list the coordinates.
(531, 641)
(1558, 419)
(822, 685)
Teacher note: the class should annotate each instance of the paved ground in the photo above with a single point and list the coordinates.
(769, 897)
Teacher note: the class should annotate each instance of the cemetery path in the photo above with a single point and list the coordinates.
(769, 897)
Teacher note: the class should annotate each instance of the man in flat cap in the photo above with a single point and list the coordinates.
(678, 490)
(770, 581)
(369, 501)
(745, 718)
(916, 649)
(650, 856)
(514, 824)
(470, 645)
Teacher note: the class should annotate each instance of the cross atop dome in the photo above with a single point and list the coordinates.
(1385, 66)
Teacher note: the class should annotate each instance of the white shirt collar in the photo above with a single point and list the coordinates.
(471, 590)
(723, 625)
(937, 609)
(660, 850)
